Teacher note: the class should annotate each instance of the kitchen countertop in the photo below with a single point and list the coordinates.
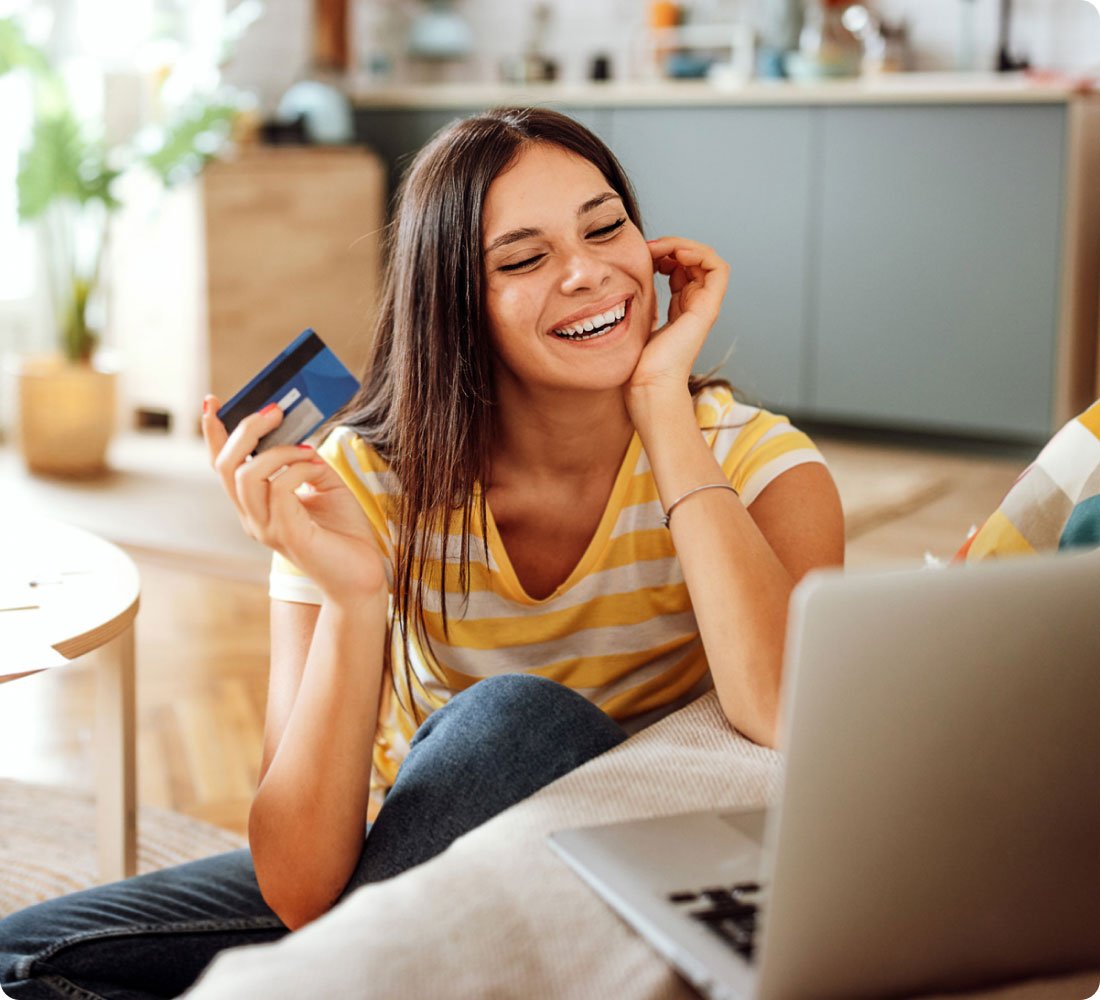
(898, 88)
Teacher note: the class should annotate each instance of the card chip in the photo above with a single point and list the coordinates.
(295, 427)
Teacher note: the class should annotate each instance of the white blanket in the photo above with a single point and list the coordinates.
(500, 915)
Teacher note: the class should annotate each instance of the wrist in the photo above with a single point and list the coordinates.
(354, 601)
(658, 404)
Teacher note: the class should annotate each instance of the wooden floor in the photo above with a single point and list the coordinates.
(202, 650)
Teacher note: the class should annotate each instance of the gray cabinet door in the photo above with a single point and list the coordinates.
(736, 179)
(936, 287)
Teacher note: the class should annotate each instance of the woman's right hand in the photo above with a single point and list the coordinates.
(323, 529)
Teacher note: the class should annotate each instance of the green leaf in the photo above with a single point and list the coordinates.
(192, 140)
(16, 53)
(61, 163)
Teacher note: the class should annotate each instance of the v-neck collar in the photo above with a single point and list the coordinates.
(513, 587)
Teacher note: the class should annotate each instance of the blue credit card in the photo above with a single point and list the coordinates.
(308, 383)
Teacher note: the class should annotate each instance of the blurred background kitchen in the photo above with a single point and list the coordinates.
(898, 184)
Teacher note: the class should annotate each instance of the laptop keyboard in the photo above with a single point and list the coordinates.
(729, 911)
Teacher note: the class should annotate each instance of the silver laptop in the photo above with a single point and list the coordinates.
(939, 827)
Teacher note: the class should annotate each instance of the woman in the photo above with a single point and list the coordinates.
(530, 492)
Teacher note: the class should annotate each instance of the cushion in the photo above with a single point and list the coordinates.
(498, 914)
(1055, 502)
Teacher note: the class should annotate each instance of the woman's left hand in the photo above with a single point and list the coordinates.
(697, 278)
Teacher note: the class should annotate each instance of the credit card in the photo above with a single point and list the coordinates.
(308, 383)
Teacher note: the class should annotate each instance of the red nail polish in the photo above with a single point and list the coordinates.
(270, 406)
(309, 446)
(205, 405)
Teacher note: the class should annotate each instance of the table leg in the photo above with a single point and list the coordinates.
(116, 785)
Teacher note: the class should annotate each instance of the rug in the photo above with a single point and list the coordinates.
(876, 486)
(48, 845)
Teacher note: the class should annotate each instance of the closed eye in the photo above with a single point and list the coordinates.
(603, 233)
(607, 230)
(520, 265)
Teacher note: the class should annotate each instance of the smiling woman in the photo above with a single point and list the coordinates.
(576, 274)
(531, 533)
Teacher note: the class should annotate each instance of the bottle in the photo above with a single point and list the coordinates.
(826, 48)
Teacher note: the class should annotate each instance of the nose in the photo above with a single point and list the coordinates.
(584, 269)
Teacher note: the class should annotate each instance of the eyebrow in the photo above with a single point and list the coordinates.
(515, 235)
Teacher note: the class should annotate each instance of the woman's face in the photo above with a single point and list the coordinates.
(568, 277)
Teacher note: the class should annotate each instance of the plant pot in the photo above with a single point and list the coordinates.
(65, 414)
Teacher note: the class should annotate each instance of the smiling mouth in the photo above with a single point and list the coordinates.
(594, 326)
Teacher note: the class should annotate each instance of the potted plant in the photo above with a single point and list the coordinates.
(66, 402)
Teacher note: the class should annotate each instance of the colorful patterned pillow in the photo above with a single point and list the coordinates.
(1055, 503)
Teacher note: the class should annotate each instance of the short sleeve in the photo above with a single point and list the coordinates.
(753, 446)
(373, 485)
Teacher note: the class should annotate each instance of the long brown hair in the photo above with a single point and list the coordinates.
(427, 399)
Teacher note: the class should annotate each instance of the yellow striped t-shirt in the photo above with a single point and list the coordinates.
(620, 630)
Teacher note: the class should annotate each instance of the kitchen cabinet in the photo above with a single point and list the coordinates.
(937, 244)
(916, 259)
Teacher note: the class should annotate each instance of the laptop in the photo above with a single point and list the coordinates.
(939, 825)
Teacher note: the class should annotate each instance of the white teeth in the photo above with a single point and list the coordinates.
(583, 329)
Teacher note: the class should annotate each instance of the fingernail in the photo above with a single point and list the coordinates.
(267, 409)
(206, 406)
(309, 446)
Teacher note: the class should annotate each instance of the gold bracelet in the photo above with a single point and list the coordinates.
(684, 496)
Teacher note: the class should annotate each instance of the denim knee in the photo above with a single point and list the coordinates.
(488, 748)
(525, 714)
(527, 706)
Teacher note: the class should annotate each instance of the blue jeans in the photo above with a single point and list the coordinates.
(151, 936)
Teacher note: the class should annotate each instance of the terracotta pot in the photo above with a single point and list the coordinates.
(65, 414)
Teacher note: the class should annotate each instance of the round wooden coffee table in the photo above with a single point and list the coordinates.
(64, 592)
